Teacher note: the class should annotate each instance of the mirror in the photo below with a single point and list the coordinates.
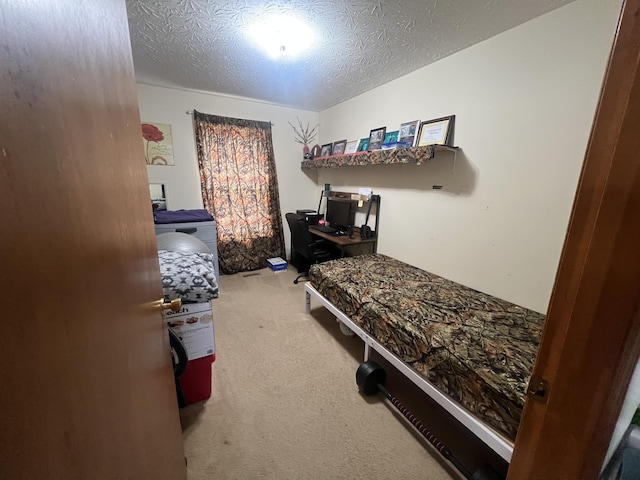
(158, 196)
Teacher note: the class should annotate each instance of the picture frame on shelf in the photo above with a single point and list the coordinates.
(390, 140)
(408, 134)
(351, 147)
(363, 145)
(326, 149)
(436, 132)
(338, 147)
(376, 137)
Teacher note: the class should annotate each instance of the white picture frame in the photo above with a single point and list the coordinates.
(408, 134)
(351, 147)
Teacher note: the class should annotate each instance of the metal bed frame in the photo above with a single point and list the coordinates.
(494, 440)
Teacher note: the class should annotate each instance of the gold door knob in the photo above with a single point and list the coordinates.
(174, 305)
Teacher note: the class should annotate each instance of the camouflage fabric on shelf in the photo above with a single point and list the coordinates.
(417, 155)
(476, 348)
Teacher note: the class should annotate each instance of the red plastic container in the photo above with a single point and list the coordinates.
(196, 379)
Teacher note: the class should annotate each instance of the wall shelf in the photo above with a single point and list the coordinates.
(417, 155)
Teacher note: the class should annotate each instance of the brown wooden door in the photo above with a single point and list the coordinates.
(87, 389)
(591, 340)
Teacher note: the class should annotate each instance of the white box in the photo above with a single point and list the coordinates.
(194, 325)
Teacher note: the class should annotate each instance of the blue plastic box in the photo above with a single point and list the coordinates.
(277, 264)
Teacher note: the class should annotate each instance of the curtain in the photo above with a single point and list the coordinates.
(240, 189)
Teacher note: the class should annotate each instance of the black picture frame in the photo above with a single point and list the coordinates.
(338, 147)
(326, 149)
(438, 131)
(376, 137)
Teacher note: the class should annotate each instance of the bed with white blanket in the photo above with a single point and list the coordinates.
(471, 352)
(189, 276)
(187, 268)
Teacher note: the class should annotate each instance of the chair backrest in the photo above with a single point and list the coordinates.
(301, 239)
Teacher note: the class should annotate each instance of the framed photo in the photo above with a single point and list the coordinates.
(408, 135)
(363, 144)
(351, 147)
(436, 131)
(158, 196)
(376, 137)
(158, 143)
(390, 140)
(338, 147)
(326, 149)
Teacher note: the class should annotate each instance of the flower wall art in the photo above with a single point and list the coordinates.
(158, 143)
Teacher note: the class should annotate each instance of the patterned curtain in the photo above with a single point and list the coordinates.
(240, 189)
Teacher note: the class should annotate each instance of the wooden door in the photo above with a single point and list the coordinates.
(591, 340)
(87, 388)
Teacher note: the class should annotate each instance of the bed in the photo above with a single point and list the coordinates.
(189, 276)
(471, 352)
(187, 268)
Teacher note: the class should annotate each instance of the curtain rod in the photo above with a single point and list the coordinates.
(190, 112)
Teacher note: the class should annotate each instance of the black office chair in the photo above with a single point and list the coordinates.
(309, 249)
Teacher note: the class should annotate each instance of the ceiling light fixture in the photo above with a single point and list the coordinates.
(282, 36)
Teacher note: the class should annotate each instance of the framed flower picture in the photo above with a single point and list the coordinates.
(158, 143)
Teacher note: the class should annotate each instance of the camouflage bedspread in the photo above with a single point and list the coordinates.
(476, 348)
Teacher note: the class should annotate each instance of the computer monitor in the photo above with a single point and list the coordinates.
(340, 213)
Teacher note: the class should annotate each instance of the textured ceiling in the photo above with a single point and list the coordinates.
(359, 44)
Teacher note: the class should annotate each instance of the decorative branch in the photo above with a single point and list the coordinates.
(305, 135)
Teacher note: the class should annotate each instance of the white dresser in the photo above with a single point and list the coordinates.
(205, 231)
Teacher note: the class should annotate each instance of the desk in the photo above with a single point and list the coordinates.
(349, 246)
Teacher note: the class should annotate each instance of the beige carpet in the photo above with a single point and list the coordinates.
(285, 404)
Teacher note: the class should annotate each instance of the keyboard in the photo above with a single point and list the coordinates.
(324, 228)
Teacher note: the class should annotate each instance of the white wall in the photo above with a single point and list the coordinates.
(524, 103)
(167, 105)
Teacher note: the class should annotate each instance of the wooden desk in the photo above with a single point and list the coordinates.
(349, 246)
